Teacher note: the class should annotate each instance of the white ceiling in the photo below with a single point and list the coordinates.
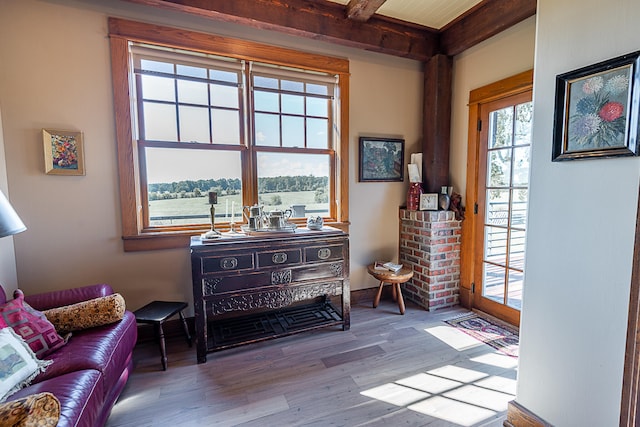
(430, 13)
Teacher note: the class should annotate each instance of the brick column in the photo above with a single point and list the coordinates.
(430, 245)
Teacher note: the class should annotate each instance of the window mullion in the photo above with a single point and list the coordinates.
(177, 104)
(249, 173)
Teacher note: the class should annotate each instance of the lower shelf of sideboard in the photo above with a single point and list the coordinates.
(271, 324)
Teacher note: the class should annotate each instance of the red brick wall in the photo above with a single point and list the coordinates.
(430, 244)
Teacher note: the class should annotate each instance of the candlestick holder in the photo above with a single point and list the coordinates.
(213, 234)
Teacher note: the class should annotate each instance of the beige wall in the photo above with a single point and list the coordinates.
(503, 55)
(579, 250)
(8, 273)
(55, 73)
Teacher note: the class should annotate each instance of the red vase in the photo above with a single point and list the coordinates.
(413, 196)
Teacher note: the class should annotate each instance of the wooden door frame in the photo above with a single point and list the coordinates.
(629, 408)
(513, 85)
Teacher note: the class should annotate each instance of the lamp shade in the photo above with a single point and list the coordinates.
(10, 222)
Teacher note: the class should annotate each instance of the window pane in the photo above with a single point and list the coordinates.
(495, 250)
(292, 104)
(194, 124)
(292, 131)
(497, 212)
(514, 298)
(521, 166)
(266, 101)
(516, 249)
(224, 96)
(519, 208)
(318, 107)
(292, 86)
(501, 130)
(524, 121)
(179, 182)
(160, 122)
(192, 92)
(223, 76)
(317, 136)
(266, 82)
(190, 71)
(267, 130)
(317, 89)
(161, 67)
(226, 126)
(499, 168)
(287, 180)
(158, 88)
(493, 280)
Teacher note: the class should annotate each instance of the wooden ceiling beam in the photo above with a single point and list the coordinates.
(362, 10)
(483, 21)
(318, 20)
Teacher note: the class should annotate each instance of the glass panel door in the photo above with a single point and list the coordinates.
(503, 186)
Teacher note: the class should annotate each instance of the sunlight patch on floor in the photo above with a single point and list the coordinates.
(497, 359)
(395, 394)
(454, 338)
(453, 411)
(429, 383)
(451, 393)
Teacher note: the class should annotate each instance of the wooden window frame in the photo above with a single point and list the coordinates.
(121, 32)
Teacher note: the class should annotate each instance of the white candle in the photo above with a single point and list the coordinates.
(226, 208)
(233, 209)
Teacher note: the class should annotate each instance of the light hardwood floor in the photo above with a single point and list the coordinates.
(388, 370)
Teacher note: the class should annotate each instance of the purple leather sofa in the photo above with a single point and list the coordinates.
(89, 372)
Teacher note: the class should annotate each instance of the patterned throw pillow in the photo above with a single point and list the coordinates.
(36, 410)
(31, 325)
(18, 364)
(87, 314)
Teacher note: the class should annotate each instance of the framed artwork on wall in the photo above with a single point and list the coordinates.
(596, 110)
(63, 152)
(381, 159)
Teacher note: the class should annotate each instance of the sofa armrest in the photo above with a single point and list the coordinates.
(53, 299)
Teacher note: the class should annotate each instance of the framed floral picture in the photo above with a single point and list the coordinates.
(596, 110)
(381, 159)
(63, 152)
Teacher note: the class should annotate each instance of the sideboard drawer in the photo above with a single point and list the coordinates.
(279, 258)
(218, 283)
(323, 253)
(230, 262)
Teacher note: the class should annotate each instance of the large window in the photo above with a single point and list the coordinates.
(264, 127)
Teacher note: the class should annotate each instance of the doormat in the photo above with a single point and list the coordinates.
(499, 335)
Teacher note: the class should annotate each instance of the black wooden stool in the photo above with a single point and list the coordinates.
(155, 313)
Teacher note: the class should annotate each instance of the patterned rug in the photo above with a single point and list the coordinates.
(499, 335)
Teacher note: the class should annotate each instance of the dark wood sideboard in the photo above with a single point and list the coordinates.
(268, 285)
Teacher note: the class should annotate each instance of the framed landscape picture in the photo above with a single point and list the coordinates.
(63, 152)
(381, 159)
(596, 111)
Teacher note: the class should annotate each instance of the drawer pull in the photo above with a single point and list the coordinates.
(228, 263)
(279, 258)
(324, 253)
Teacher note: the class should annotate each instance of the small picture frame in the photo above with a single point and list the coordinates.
(381, 159)
(429, 202)
(596, 110)
(63, 152)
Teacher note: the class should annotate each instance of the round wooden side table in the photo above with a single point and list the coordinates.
(395, 279)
